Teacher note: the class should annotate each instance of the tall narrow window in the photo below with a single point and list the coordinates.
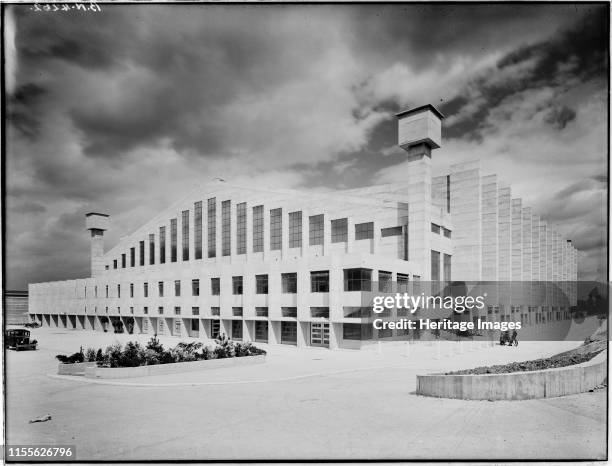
(162, 245)
(132, 257)
(177, 287)
(131, 290)
(160, 289)
(215, 286)
(185, 236)
(151, 249)
(114, 263)
(197, 229)
(212, 227)
(195, 287)
(276, 229)
(435, 271)
(258, 229)
(142, 250)
(118, 291)
(261, 284)
(385, 281)
(173, 234)
(289, 282)
(316, 229)
(123, 261)
(447, 268)
(237, 285)
(145, 289)
(339, 230)
(226, 228)
(295, 229)
(241, 228)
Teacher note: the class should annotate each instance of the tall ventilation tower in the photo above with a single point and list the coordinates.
(419, 131)
(97, 224)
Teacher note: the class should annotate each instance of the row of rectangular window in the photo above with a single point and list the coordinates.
(354, 280)
(339, 233)
(437, 229)
(289, 312)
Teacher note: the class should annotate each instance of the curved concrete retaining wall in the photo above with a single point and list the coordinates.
(546, 383)
(77, 368)
(162, 369)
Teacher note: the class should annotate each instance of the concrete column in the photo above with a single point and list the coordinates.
(468, 218)
(249, 231)
(266, 232)
(303, 334)
(376, 239)
(284, 234)
(326, 233)
(335, 334)
(248, 330)
(274, 332)
(517, 240)
(526, 239)
(218, 248)
(305, 232)
(350, 243)
(504, 233)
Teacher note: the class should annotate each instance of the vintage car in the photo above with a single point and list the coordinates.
(19, 339)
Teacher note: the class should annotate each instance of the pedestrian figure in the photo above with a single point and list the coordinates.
(515, 338)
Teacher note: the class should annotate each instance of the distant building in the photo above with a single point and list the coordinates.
(16, 307)
(288, 267)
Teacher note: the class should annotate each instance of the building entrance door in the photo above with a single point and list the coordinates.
(319, 334)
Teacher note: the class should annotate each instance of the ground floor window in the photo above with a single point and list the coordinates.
(177, 327)
(195, 325)
(289, 333)
(261, 331)
(236, 330)
(356, 331)
(215, 326)
(384, 332)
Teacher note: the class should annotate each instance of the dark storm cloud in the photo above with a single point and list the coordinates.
(21, 109)
(560, 117)
(578, 54)
(169, 65)
(420, 32)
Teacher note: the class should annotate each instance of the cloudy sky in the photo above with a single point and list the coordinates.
(126, 110)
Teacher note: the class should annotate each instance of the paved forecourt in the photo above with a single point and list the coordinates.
(325, 404)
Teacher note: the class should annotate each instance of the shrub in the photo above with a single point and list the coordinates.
(73, 358)
(151, 357)
(225, 347)
(248, 349)
(134, 355)
(155, 345)
(90, 355)
(113, 355)
(208, 353)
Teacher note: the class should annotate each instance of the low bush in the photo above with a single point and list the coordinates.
(133, 354)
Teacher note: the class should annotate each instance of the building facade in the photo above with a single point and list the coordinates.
(16, 307)
(289, 267)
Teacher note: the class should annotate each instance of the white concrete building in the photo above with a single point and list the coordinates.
(287, 267)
